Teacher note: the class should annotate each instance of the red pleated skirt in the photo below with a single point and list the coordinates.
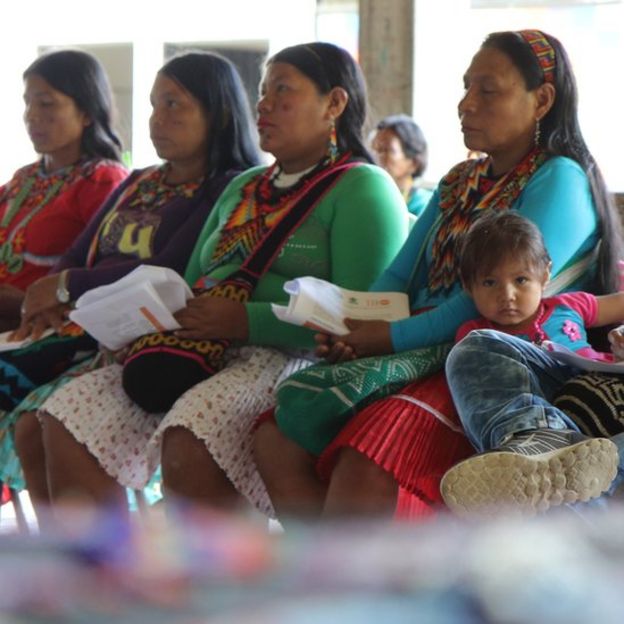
(415, 435)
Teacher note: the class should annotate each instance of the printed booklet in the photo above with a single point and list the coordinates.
(322, 306)
(139, 303)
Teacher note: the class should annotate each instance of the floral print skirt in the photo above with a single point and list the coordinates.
(220, 411)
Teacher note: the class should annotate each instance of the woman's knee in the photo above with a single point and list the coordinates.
(471, 353)
(182, 450)
(273, 452)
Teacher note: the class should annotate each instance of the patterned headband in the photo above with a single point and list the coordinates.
(543, 51)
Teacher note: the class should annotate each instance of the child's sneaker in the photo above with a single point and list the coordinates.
(533, 471)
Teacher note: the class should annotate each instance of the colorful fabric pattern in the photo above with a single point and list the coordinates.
(543, 51)
(315, 403)
(41, 214)
(464, 193)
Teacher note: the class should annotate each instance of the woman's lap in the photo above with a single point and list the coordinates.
(10, 466)
(220, 411)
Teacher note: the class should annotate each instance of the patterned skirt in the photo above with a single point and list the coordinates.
(415, 435)
(220, 411)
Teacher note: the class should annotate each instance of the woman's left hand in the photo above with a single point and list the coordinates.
(36, 325)
(367, 337)
(208, 317)
(40, 296)
(364, 339)
(616, 338)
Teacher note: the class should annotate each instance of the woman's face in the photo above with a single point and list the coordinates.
(390, 155)
(497, 112)
(293, 117)
(54, 123)
(178, 124)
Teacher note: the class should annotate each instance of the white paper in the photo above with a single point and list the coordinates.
(140, 303)
(565, 355)
(323, 306)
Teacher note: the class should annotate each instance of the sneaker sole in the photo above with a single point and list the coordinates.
(499, 482)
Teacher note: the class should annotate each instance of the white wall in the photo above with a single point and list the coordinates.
(449, 32)
(147, 25)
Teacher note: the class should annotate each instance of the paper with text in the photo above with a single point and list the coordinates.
(323, 306)
(140, 303)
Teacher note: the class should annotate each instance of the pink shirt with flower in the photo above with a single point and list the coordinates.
(562, 319)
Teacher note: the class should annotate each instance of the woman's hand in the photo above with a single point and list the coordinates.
(40, 296)
(616, 338)
(364, 339)
(208, 317)
(34, 327)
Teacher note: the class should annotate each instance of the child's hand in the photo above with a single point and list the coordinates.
(616, 338)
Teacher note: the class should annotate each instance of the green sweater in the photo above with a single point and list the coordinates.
(349, 239)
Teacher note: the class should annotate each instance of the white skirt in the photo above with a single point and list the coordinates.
(220, 411)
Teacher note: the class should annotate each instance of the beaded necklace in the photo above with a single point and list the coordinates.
(261, 206)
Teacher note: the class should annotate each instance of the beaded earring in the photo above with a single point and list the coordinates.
(332, 143)
(538, 133)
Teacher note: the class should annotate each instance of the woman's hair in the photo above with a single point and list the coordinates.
(496, 237)
(411, 138)
(560, 135)
(81, 77)
(329, 66)
(215, 83)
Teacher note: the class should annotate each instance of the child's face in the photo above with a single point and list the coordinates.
(509, 295)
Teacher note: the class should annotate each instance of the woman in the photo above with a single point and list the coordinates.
(310, 116)
(48, 203)
(519, 107)
(201, 127)
(401, 149)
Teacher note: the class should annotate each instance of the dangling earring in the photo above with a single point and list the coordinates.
(332, 143)
(538, 133)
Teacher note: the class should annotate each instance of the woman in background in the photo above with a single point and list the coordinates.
(401, 149)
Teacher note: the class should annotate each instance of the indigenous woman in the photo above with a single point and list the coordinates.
(520, 108)
(310, 116)
(48, 203)
(401, 149)
(201, 127)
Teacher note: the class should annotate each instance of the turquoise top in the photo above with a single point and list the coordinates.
(350, 237)
(557, 199)
(418, 199)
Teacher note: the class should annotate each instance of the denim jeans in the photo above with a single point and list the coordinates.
(502, 385)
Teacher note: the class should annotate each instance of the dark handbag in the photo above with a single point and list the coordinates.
(160, 367)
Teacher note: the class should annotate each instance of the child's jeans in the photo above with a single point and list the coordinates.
(502, 385)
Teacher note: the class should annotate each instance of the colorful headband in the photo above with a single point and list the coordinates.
(543, 51)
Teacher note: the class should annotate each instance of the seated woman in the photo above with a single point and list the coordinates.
(46, 205)
(310, 117)
(205, 136)
(401, 149)
(519, 107)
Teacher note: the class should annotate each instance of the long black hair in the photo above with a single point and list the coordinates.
(329, 66)
(81, 77)
(215, 83)
(561, 136)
